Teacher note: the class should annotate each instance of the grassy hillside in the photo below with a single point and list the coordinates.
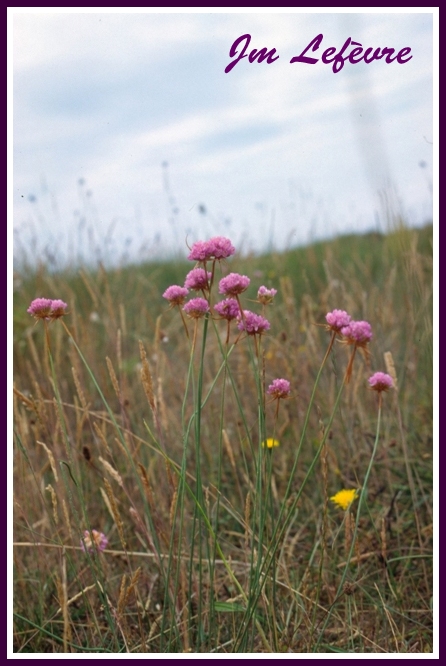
(216, 543)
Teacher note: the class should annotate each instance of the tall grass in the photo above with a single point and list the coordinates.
(127, 425)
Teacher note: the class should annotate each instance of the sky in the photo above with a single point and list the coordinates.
(130, 141)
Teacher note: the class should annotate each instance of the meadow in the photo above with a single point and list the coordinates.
(168, 500)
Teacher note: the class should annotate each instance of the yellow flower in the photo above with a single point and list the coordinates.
(344, 498)
(270, 442)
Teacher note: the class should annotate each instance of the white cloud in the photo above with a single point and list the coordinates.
(108, 97)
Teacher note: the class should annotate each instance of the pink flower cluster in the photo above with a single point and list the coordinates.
(266, 296)
(252, 323)
(227, 309)
(45, 308)
(176, 295)
(357, 333)
(233, 284)
(196, 308)
(380, 381)
(218, 247)
(98, 542)
(198, 279)
(337, 319)
(280, 388)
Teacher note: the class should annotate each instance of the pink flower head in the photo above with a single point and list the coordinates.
(380, 381)
(198, 279)
(58, 308)
(196, 307)
(265, 295)
(357, 333)
(175, 294)
(215, 248)
(99, 541)
(221, 247)
(252, 323)
(280, 388)
(40, 308)
(337, 319)
(233, 284)
(228, 309)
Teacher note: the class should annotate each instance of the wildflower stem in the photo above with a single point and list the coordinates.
(280, 529)
(355, 533)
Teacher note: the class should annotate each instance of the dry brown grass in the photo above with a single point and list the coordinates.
(75, 467)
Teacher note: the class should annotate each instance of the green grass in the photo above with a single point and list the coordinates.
(192, 511)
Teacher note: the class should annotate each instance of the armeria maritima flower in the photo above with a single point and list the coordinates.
(45, 308)
(40, 308)
(380, 381)
(175, 295)
(99, 541)
(218, 247)
(265, 295)
(337, 319)
(280, 388)
(198, 279)
(344, 498)
(196, 308)
(227, 309)
(357, 333)
(233, 284)
(253, 323)
(58, 308)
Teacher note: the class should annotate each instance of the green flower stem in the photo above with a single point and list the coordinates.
(280, 530)
(355, 533)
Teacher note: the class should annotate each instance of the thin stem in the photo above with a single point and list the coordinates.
(355, 533)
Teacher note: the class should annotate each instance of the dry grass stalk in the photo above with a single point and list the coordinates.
(51, 490)
(39, 404)
(51, 459)
(122, 447)
(101, 436)
(111, 470)
(119, 349)
(146, 378)
(106, 501)
(162, 405)
(26, 401)
(122, 595)
(67, 519)
(170, 477)
(229, 450)
(79, 388)
(173, 506)
(58, 409)
(116, 516)
(78, 596)
(33, 350)
(146, 484)
(390, 367)
(122, 319)
(133, 583)
(113, 378)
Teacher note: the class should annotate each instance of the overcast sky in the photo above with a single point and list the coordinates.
(129, 137)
